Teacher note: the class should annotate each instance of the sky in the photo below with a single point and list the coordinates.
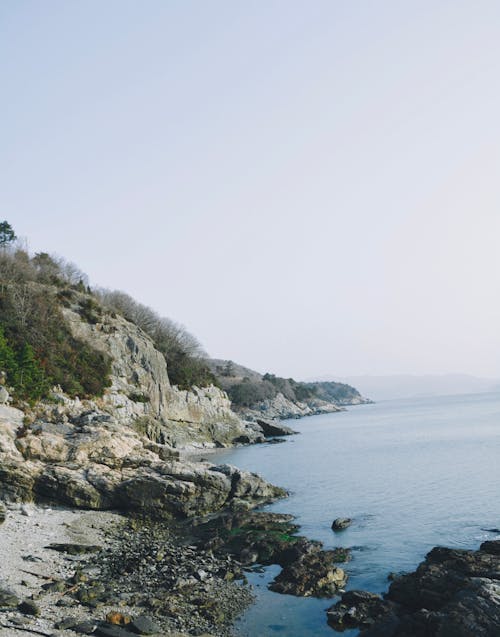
(310, 187)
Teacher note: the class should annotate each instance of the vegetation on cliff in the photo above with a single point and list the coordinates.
(247, 388)
(37, 349)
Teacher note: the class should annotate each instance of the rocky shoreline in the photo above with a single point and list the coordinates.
(453, 593)
(101, 573)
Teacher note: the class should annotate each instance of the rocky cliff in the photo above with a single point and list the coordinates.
(141, 392)
(120, 450)
(93, 461)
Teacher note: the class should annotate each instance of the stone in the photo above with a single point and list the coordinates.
(85, 628)
(3, 512)
(108, 630)
(357, 609)
(143, 625)
(453, 593)
(8, 599)
(66, 622)
(274, 428)
(339, 524)
(4, 396)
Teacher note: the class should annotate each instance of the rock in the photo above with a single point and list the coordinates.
(108, 630)
(8, 599)
(26, 510)
(143, 625)
(491, 546)
(3, 512)
(85, 628)
(453, 593)
(66, 622)
(274, 429)
(29, 607)
(339, 524)
(74, 549)
(357, 609)
(4, 396)
(313, 574)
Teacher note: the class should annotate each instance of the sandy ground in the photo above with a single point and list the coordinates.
(26, 563)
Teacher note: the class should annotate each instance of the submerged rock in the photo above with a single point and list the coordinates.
(339, 524)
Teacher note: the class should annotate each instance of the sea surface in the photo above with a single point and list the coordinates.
(412, 474)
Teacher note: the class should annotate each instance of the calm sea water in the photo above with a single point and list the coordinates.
(412, 474)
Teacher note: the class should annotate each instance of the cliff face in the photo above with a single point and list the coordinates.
(120, 450)
(141, 391)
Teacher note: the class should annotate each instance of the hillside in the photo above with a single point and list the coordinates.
(254, 395)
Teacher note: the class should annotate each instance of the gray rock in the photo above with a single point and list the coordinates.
(4, 396)
(8, 599)
(274, 428)
(339, 524)
(143, 625)
(109, 630)
(85, 628)
(3, 512)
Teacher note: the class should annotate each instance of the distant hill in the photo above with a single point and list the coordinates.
(411, 386)
(255, 395)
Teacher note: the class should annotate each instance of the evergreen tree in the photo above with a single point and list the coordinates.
(8, 363)
(30, 378)
(7, 234)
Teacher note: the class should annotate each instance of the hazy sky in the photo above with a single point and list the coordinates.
(310, 187)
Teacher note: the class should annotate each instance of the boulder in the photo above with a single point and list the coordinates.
(358, 609)
(4, 396)
(312, 575)
(339, 524)
(270, 429)
(453, 593)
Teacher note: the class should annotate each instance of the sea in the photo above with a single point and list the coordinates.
(412, 474)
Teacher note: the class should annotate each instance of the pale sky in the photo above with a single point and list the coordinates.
(309, 187)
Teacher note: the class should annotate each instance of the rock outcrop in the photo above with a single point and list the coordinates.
(453, 593)
(95, 462)
(141, 391)
(280, 407)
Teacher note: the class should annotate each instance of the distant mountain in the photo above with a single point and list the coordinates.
(411, 386)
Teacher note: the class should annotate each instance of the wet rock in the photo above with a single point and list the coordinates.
(453, 593)
(491, 546)
(314, 574)
(339, 524)
(357, 609)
